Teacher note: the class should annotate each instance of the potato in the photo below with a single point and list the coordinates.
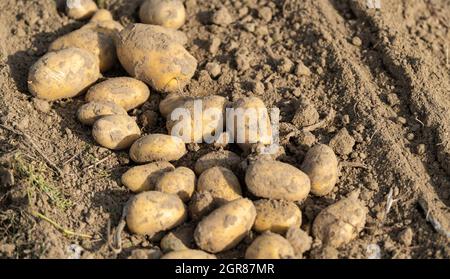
(276, 180)
(80, 9)
(222, 158)
(101, 15)
(180, 182)
(157, 147)
(178, 239)
(341, 222)
(276, 216)
(188, 255)
(155, 58)
(221, 183)
(167, 13)
(92, 111)
(321, 165)
(115, 132)
(171, 102)
(151, 212)
(63, 74)
(300, 240)
(127, 92)
(270, 246)
(144, 177)
(226, 226)
(201, 204)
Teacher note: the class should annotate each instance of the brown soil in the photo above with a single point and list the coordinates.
(389, 88)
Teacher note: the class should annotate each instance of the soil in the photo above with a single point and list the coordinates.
(384, 72)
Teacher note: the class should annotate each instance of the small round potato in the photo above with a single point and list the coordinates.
(92, 111)
(144, 177)
(270, 246)
(226, 226)
(115, 132)
(341, 222)
(63, 74)
(127, 92)
(171, 102)
(101, 15)
(157, 147)
(180, 182)
(277, 180)
(151, 212)
(321, 165)
(222, 158)
(201, 204)
(221, 183)
(188, 255)
(167, 13)
(276, 216)
(155, 58)
(80, 9)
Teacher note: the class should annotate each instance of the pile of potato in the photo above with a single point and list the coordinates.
(226, 198)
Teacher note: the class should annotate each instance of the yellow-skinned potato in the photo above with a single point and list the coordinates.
(276, 216)
(341, 222)
(115, 132)
(277, 180)
(80, 9)
(221, 183)
(180, 182)
(101, 15)
(92, 111)
(171, 102)
(144, 177)
(188, 255)
(63, 74)
(270, 246)
(226, 226)
(127, 92)
(157, 147)
(155, 58)
(167, 13)
(151, 212)
(321, 165)
(222, 158)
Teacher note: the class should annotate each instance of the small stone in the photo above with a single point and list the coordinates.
(243, 11)
(41, 105)
(306, 139)
(297, 92)
(401, 120)
(302, 70)
(242, 62)
(214, 45)
(305, 115)
(258, 87)
(21, 32)
(342, 143)
(346, 119)
(356, 41)
(146, 254)
(265, 13)
(410, 136)
(7, 250)
(213, 69)
(148, 118)
(222, 17)
(421, 148)
(286, 65)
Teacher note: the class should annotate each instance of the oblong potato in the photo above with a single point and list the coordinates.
(144, 177)
(127, 92)
(223, 185)
(180, 182)
(80, 9)
(226, 226)
(92, 111)
(63, 74)
(276, 216)
(321, 165)
(157, 147)
(151, 212)
(115, 132)
(270, 246)
(222, 158)
(188, 254)
(167, 13)
(277, 180)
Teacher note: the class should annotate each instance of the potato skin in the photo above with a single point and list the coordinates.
(115, 132)
(201, 204)
(144, 177)
(276, 216)
(101, 15)
(226, 226)
(63, 74)
(222, 158)
(270, 246)
(92, 111)
(321, 166)
(188, 255)
(127, 92)
(151, 212)
(171, 102)
(277, 180)
(223, 185)
(157, 147)
(167, 13)
(180, 182)
(80, 9)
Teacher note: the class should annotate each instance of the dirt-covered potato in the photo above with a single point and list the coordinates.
(63, 74)
(300, 240)
(321, 165)
(167, 13)
(222, 158)
(276, 216)
(101, 15)
(144, 177)
(157, 147)
(226, 226)
(127, 92)
(178, 239)
(155, 58)
(188, 255)
(92, 111)
(180, 182)
(270, 246)
(151, 212)
(223, 185)
(277, 180)
(171, 102)
(80, 9)
(115, 132)
(341, 222)
(201, 204)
